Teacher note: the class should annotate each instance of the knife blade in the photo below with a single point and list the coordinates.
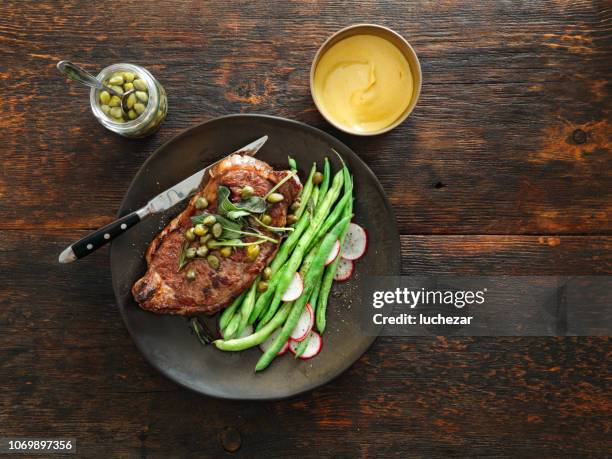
(187, 187)
(163, 201)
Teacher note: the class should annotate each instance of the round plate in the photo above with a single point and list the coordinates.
(167, 342)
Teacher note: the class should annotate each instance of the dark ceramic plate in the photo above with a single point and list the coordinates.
(167, 342)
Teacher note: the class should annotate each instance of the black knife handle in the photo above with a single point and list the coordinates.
(100, 237)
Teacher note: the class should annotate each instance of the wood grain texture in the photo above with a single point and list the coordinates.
(503, 168)
(70, 368)
(513, 121)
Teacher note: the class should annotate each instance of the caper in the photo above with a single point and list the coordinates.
(140, 85)
(105, 109)
(130, 101)
(275, 197)
(205, 239)
(209, 220)
(139, 108)
(114, 101)
(267, 273)
(117, 89)
(105, 97)
(116, 112)
(201, 203)
(132, 114)
(291, 219)
(266, 219)
(252, 252)
(128, 76)
(142, 96)
(118, 79)
(213, 261)
(262, 286)
(225, 251)
(191, 274)
(202, 251)
(211, 243)
(317, 178)
(190, 234)
(191, 252)
(295, 206)
(217, 229)
(128, 87)
(246, 192)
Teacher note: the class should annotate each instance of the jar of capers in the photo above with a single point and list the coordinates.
(144, 108)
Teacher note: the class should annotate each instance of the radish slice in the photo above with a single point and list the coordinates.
(334, 253)
(304, 325)
(267, 343)
(344, 270)
(313, 347)
(295, 289)
(355, 243)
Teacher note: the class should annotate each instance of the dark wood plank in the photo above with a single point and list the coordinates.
(69, 368)
(511, 136)
(504, 168)
(507, 255)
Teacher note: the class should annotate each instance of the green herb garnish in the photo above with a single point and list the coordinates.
(234, 211)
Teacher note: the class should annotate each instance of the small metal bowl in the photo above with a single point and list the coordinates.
(391, 36)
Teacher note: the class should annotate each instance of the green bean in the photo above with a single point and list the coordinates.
(306, 191)
(316, 268)
(263, 301)
(326, 177)
(330, 197)
(247, 307)
(330, 271)
(240, 344)
(292, 163)
(232, 327)
(294, 262)
(332, 219)
(315, 294)
(290, 243)
(227, 314)
(308, 259)
(302, 346)
(314, 196)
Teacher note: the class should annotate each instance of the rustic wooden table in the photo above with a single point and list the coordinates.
(503, 168)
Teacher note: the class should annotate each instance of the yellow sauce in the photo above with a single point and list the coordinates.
(363, 83)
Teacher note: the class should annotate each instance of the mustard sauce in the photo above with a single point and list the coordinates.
(363, 83)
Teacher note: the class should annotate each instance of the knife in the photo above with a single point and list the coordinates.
(162, 202)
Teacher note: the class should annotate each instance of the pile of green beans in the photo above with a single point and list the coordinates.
(322, 215)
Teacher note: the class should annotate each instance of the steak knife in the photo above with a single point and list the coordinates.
(163, 201)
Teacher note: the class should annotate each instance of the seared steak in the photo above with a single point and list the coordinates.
(164, 289)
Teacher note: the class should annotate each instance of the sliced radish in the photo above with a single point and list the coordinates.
(295, 289)
(267, 343)
(344, 270)
(248, 330)
(304, 324)
(355, 243)
(334, 253)
(313, 347)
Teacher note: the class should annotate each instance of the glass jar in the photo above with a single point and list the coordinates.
(149, 120)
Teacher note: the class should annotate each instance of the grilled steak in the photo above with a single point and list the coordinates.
(165, 289)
